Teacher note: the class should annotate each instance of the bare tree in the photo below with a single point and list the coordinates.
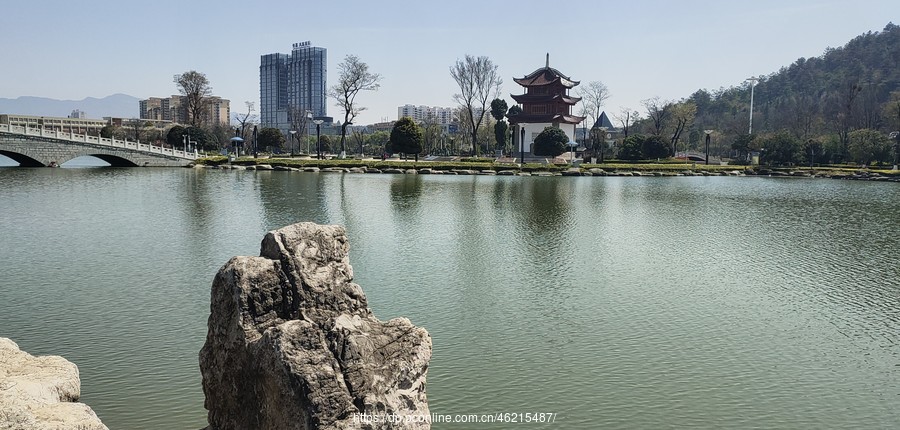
(354, 76)
(586, 112)
(245, 120)
(359, 137)
(300, 121)
(195, 88)
(431, 132)
(658, 112)
(479, 83)
(682, 117)
(627, 117)
(593, 94)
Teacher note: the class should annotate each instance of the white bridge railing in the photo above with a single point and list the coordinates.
(97, 140)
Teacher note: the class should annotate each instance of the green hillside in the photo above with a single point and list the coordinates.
(839, 107)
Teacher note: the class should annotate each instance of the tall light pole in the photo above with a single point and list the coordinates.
(753, 82)
(602, 141)
(522, 144)
(318, 139)
(309, 118)
(708, 133)
(573, 145)
(293, 132)
(255, 143)
(896, 136)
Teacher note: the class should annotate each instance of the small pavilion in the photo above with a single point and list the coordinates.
(545, 103)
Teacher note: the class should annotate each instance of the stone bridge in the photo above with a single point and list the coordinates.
(32, 147)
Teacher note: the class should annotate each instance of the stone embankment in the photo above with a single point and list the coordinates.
(292, 343)
(864, 175)
(41, 393)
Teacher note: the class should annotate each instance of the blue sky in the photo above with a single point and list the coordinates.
(639, 49)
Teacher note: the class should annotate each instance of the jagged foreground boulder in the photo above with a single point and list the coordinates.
(292, 343)
(41, 392)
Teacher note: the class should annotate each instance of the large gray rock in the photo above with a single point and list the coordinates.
(292, 343)
(41, 392)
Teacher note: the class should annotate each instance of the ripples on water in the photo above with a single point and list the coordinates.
(614, 302)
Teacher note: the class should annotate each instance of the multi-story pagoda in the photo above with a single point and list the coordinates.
(546, 103)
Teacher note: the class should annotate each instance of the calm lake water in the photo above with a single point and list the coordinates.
(613, 302)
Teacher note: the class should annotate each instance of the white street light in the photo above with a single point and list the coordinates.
(753, 82)
(318, 123)
(572, 145)
(309, 118)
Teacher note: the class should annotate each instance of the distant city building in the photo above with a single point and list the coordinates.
(442, 115)
(172, 109)
(77, 114)
(76, 125)
(292, 86)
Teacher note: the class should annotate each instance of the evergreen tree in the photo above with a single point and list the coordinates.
(406, 137)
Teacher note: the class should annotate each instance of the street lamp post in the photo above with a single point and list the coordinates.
(708, 133)
(255, 144)
(753, 82)
(318, 139)
(293, 132)
(309, 118)
(896, 136)
(522, 144)
(184, 138)
(343, 153)
(602, 142)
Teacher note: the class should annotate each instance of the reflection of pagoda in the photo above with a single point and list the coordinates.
(546, 103)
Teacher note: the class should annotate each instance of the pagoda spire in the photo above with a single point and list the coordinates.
(548, 60)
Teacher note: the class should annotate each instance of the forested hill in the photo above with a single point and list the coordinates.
(854, 87)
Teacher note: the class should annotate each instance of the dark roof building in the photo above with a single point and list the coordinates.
(603, 121)
(546, 98)
(545, 103)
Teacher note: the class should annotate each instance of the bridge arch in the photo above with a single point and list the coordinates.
(24, 160)
(113, 160)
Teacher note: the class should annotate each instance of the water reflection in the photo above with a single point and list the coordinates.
(689, 301)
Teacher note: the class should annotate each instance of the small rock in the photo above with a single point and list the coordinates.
(39, 393)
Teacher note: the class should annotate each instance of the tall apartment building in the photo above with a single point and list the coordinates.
(443, 115)
(291, 85)
(172, 109)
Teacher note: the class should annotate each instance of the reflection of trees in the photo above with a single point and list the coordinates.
(290, 198)
(546, 205)
(405, 192)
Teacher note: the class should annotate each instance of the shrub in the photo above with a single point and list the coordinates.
(551, 142)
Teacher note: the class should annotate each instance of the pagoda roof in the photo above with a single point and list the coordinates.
(534, 118)
(544, 98)
(546, 76)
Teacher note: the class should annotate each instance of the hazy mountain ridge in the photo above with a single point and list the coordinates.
(116, 105)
